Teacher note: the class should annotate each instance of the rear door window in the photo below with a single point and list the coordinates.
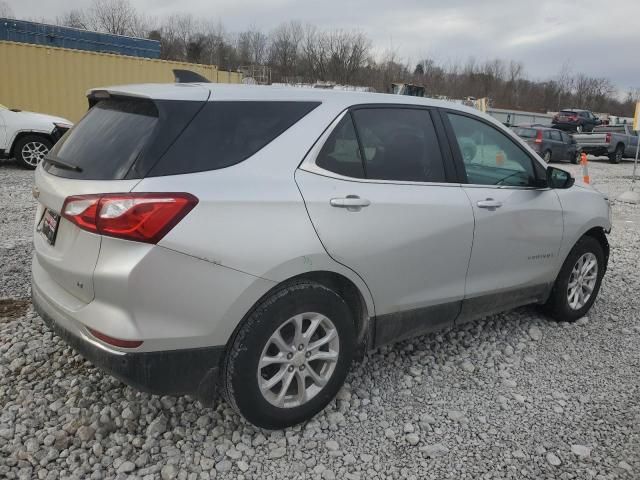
(225, 133)
(399, 144)
(341, 154)
(107, 141)
(555, 135)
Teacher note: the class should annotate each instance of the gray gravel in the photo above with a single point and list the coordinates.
(512, 396)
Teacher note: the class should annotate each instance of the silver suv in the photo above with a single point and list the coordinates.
(195, 239)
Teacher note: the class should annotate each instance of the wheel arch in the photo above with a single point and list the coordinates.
(24, 133)
(598, 234)
(359, 303)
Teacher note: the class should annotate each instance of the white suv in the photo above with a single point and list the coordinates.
(252, 240)
(28, 136)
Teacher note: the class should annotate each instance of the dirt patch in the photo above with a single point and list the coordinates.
(11, 309)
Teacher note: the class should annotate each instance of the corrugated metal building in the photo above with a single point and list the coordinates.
(55, 80)
(22, 31)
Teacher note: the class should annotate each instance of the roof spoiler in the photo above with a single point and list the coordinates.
(187, 76)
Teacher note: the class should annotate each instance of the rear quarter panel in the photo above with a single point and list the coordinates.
(251, 216)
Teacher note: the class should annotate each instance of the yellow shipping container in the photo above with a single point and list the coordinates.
(55, 80)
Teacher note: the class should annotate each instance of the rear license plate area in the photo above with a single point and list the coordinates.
(49, 225)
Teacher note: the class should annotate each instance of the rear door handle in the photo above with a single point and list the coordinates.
(489, 204)
(353, 203)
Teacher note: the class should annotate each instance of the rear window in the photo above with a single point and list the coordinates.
(226, 133)
(107, 141)
(526, 132)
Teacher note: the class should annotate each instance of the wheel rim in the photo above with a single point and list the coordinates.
(618, 154)
(547, 157)
(579, 129)
(298, 360)
(582, 281)
(34, 152)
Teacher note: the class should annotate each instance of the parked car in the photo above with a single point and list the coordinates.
(29, 136)
(614, 141)
(204, 238)
(549, 143)
(574, 120)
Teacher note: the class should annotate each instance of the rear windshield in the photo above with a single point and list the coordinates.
(107, 141)
(225, 133)
(568, 112)
(526, 132)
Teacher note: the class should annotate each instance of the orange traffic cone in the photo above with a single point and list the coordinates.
(585, 168)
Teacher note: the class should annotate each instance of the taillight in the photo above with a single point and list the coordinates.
(608, 137)
(539, 136)
(141, 217)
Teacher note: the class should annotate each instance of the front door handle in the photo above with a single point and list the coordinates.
(489, 204)
(353, 203)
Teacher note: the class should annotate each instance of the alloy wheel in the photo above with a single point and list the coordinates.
(582, 281)
(298, 360)
(34, 152)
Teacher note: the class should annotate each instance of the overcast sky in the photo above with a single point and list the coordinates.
(598, 38)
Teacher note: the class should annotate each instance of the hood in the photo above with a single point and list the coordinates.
(42, 117)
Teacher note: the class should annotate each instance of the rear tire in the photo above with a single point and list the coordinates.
(616, 157)
(579, 128)
(30, 150)
(547, 156)
(562, 305)
(270, 347)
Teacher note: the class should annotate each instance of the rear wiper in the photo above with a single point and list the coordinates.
(63, 165)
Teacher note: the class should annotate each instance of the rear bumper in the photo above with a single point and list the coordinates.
(173, 372)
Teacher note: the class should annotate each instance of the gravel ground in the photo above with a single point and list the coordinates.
(512, 396)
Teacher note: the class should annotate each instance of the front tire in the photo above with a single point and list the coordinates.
(30, 150)
(290, 356)
(578, 282)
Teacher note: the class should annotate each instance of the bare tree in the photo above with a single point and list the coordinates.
(73, 18)
(112, 16)
(284, 50)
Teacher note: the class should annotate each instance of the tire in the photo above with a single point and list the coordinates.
(579, 128)
(253, 340)
(546, 156)
(576, 158)
(558, 305)
(31, 149)
(617, 155)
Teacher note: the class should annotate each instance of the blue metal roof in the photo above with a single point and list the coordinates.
(77, 39)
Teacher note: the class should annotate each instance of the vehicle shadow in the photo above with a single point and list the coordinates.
(10, 164)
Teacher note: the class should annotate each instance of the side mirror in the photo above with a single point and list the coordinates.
(557, 178)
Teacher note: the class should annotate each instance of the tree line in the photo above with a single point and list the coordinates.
(303, 53)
